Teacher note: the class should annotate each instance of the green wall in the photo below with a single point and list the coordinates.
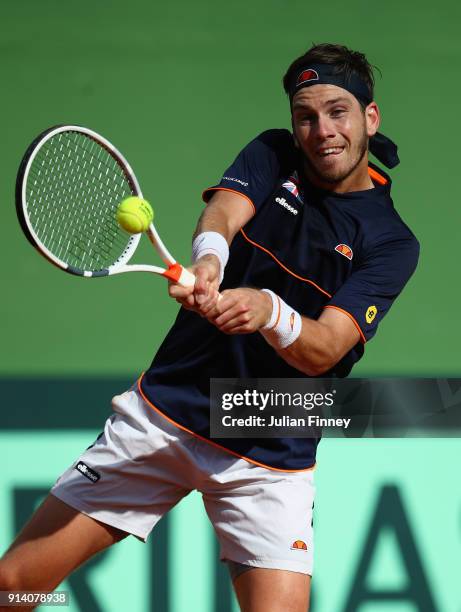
(180, 87)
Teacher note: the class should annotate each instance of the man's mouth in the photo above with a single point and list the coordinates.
(330, 151)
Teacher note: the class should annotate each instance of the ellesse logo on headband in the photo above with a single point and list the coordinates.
(307, 75)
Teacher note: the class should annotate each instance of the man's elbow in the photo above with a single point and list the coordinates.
(321, 363)
(317, 369)
(312, 366)
(319, 358)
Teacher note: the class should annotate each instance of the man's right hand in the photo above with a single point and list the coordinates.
(203, 296)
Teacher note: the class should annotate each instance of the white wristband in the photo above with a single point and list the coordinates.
(284, 325)
(211, 243)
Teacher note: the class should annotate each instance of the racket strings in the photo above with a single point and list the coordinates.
(84, 233)
(73, 190)
(75, 231)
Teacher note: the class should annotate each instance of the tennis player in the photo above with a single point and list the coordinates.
(309, 253)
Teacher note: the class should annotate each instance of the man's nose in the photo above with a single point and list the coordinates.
(325, 127)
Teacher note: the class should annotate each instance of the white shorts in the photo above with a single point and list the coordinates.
(142, 465)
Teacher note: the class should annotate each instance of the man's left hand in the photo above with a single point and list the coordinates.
(241, 311)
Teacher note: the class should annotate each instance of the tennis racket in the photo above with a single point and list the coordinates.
(69, 185)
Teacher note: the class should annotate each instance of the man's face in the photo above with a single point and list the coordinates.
(332, 132)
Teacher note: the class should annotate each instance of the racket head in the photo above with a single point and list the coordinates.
(69, 184)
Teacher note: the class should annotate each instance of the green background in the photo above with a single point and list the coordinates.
(179, 88)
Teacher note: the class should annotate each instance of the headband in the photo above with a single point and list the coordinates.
(383, 148)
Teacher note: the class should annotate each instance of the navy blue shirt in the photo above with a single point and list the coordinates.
(314, 248)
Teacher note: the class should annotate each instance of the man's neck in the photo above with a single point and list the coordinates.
(359, 180)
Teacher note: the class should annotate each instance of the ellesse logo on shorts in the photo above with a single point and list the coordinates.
(87, 472)
(298, 545)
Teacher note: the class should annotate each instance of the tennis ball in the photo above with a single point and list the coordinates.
(134, 215)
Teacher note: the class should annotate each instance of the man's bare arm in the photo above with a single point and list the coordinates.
(321, 343)
(225, 213)
(319, 346)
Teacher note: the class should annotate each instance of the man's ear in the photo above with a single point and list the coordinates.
(372, 118)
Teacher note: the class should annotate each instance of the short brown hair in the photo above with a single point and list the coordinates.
(346, 62)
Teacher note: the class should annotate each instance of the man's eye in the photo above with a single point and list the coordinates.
(338, 112)
(306, 119)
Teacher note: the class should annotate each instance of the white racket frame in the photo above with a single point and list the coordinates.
(174, 271)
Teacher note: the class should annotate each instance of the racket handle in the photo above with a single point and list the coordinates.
(180, 275)
(183, 277)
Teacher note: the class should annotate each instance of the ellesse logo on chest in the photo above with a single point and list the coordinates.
(285, 204)
(345, 250)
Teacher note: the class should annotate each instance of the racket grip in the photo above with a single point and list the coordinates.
(186, 278)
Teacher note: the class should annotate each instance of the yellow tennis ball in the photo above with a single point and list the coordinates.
(134, 215)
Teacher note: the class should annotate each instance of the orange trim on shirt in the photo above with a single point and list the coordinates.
(269, 467)
(232, 191)
(306, 280)
(362, 336)
(375, 176)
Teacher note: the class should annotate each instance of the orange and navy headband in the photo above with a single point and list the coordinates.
(383, 148)
(326, 74)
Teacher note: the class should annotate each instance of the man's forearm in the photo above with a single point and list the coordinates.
(212, 220)
(311, 346)
(224, 215)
